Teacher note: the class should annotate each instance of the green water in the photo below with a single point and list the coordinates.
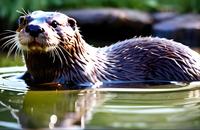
(170, 107)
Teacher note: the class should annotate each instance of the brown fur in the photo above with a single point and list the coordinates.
(137, 59)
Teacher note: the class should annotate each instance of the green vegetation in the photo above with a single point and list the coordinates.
(10, 61)
(9, 7)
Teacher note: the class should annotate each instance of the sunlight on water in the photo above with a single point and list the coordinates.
(173, 86)
(121, 105)
(9, 80)
(10, 125)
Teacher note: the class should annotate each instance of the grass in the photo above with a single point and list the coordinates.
(10, 61)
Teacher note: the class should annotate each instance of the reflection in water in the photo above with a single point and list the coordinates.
(57, 109)
(171, 106)
(174, 110)
(10, 104)
(101, 110)
(194, 94)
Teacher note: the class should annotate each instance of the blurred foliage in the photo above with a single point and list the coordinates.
(10, 61)
(8, 7)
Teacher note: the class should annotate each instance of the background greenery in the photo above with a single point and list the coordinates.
(10, 61)
(8, 7)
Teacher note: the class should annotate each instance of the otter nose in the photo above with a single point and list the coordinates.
(34, 30)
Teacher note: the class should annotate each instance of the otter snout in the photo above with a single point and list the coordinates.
(34, 30)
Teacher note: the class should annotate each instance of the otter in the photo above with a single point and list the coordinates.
(55, 52)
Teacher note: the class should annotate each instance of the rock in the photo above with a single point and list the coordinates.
(184, 29)
(161, 16)
(110, 24)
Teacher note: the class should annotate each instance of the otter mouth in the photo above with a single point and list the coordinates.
(35, 46)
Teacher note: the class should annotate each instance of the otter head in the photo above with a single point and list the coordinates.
(45, 31)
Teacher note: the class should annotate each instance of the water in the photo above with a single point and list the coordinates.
(169, 106)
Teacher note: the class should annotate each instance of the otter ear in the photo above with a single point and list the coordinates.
(72, 23)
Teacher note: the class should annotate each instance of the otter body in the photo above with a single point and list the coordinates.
(54, 51)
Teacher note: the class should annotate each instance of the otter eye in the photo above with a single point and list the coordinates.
(54, 23)
(22, 20)
(72, 23)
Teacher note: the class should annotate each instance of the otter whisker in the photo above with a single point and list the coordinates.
(7, 33)
(62, 53)
(12, 39)
(17, 50)
(8, 42)
(10, 31)
(13, 46)
(54, 56)
(23, 12)
(70, 55)
(64, 49)
(52, 53)
(7, 37)
(59, 57)
(25, 54)
(20, 12)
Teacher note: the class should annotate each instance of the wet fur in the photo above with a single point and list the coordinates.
(136, 59)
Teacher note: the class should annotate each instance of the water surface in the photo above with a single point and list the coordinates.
(124, 106)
